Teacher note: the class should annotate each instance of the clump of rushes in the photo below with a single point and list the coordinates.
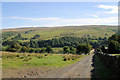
(78, 56)
(40, 56)
(27, 59)
(8, 55)
(46, 54)
(67, 57)
(73, 57)
(28, 55)
(21, 57)
(17, 55)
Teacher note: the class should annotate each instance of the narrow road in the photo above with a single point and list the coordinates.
(81, 69)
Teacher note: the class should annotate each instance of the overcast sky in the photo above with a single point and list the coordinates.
(52, 14)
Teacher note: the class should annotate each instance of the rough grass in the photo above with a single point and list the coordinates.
(19, 60)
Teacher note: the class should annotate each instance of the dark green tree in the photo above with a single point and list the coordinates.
(42, 50)
(24, 49)
(36, 36)
(14, 47)
(49, 49)
(31, 50)
(84, 48)
(66, 49)
(103, 49)
(72, 50)
(114, 47)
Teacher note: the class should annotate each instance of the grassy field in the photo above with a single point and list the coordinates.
(19, 60)
(57, 49)
(116, 54)
(56, 32)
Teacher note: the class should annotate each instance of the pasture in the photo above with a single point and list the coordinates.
(19, 60)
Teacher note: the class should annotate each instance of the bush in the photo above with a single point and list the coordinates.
(27, 59)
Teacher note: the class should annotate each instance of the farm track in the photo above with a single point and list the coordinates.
(80, 69)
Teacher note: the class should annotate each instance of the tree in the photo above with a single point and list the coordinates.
(14, 47)
(24, 49)
(84, 48)
(43, 50)
(32, 43)
(66, 49)
(114, 47)
(80, 48)
(37, 50)
(72, 50)
(98, 50)
(31, 50)
(17, 47)
(36, 36)
(88, 48)
(49, 49)
(114, 44)
(103, 49)
(113, 37)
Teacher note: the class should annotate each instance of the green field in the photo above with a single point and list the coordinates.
(56, 32)
(57, 49)
(12, 60)
(116, 54)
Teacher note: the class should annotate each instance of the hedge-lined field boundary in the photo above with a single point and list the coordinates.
(111, 62)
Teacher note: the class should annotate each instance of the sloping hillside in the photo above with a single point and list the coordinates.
(55, 32)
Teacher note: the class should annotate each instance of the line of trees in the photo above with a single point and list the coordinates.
(18, 48)
(81, 48)
(59, 42)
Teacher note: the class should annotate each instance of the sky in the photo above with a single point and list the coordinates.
(54, 14)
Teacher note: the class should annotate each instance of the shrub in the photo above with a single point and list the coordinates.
(27, 59)
(70, 57)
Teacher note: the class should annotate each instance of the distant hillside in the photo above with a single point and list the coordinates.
(56, 32)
